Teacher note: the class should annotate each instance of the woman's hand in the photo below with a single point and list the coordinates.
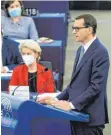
(3, 70)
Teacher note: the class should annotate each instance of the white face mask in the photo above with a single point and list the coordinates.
(28, 59)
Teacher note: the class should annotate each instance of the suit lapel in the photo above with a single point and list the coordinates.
(85, 58)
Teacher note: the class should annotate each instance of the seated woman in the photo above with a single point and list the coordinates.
(15, 25)
(32, 73)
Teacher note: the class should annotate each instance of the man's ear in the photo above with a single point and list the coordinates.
(90, 30)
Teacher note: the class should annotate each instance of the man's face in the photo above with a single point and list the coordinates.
(80, 31)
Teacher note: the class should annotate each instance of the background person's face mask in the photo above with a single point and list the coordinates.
(28, 59)
(15, 12)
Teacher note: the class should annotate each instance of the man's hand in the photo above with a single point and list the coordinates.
(45, 100)
(61, 104)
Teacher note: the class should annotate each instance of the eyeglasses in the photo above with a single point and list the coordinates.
(78, 28)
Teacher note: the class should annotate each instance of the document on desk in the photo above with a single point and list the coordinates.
(6, 74)
(48, 94)
(20, 92)
(21, 40)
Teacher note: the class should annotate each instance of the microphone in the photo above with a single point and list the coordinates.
(45, 85)
(46, 69)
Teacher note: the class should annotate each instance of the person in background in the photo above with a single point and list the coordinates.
(10, 57)
(3, 13)
(15, 25)
(86, 91)
(42, 80)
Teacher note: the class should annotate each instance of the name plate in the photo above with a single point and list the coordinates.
(20, 92)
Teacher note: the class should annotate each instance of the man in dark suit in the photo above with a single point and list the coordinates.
(86, 92)
(10, 57)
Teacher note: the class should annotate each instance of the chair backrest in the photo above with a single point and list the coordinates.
(48, 65)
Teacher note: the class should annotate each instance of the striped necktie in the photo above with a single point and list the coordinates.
(81, 55)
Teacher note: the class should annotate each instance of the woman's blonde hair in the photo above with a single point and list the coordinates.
(32, 45)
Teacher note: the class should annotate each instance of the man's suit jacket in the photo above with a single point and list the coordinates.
(10, 56)
(87, 89)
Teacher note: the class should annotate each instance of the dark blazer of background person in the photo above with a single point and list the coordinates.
(87, 89)
(10, 56)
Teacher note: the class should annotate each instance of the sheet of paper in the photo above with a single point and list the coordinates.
(21, 40)
(6, 74)
(48, 94)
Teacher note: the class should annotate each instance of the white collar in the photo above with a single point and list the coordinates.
(86, 46)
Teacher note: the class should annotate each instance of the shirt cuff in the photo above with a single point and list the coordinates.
(6, 68)
(72, 107)
(56, 98)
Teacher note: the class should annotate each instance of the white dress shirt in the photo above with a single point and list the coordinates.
(86, 46)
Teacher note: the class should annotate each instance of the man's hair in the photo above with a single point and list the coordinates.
(9, 2)
(89, 21)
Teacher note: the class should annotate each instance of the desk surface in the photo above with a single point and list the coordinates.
(6, 76)
(52, 44)
(51, 15)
